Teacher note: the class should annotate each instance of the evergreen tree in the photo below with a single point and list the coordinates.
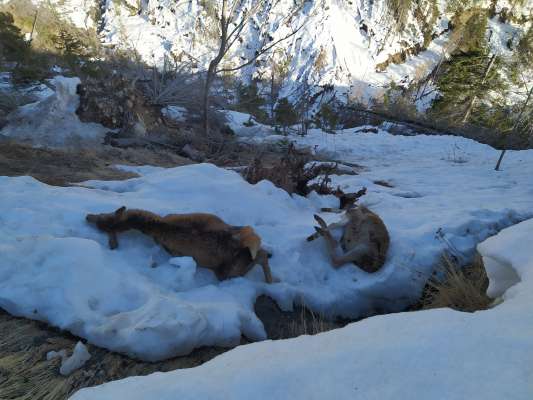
(466, 77)
(468, 80)
(250, 101)
(524, 50)
(12, 44)
(327, 118)
(69, 46)
(285, 113)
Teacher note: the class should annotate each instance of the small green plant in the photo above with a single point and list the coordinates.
(285, 114)
(327, 118)
(251, 102)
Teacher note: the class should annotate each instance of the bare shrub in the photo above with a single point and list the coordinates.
(462, 289)
(173, 84)
(288, 173)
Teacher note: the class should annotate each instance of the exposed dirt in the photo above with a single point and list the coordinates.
(61, 167)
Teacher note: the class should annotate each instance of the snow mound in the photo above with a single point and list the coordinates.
(52, 121)
(79, 357)
(436, 354)
(245, 126)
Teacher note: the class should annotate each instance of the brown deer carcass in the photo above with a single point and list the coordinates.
(228, 250)
(365, 240)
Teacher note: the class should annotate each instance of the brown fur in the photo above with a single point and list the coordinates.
(365, 240)
(228, 250)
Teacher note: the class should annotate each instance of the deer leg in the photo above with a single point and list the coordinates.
(331, 243)
(112, 240)
(323, 226)
(262, 259)
(351, 256)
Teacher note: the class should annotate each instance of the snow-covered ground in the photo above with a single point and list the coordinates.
(436, 354)
(57, 268)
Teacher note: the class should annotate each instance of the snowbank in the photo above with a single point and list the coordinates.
(52, 121)
(56, 268)
(245, 126)
(437, 354)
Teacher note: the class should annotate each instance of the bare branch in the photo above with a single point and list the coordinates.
(262, 51)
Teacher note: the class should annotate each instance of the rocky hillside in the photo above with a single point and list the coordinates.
(359, 46)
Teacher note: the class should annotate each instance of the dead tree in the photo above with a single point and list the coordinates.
(232, 20)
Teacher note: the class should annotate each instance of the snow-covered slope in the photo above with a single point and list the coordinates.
(56, 268)
(359, 47)
(437, 354)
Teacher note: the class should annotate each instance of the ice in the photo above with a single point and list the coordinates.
(435, 354)
(79, 357)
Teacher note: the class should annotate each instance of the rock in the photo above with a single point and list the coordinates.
(190, 152)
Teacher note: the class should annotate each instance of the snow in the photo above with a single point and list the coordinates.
(244, 125)
(176, 113)
(52, 121)
(57, 268)
(56, 354)
(79, 357)
(340, 43)
(435, 354)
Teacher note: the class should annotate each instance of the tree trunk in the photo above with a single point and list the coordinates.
(473, 99)
(207, 88)
(497, 168)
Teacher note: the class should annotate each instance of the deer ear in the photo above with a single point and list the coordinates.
(249, 239)
(119, 212)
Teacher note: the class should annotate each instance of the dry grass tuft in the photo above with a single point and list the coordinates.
(462, 289)
(288, 324)
(309, 323)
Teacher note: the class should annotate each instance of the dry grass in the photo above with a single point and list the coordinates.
(25, 374)
(309, 323)
(462, 289)
(288, 324)
(60, 167)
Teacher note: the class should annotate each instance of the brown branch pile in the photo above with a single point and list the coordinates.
(292, 174)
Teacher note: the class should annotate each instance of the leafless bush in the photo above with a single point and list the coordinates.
(173, 84)
(295, 174)
(288, 172)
